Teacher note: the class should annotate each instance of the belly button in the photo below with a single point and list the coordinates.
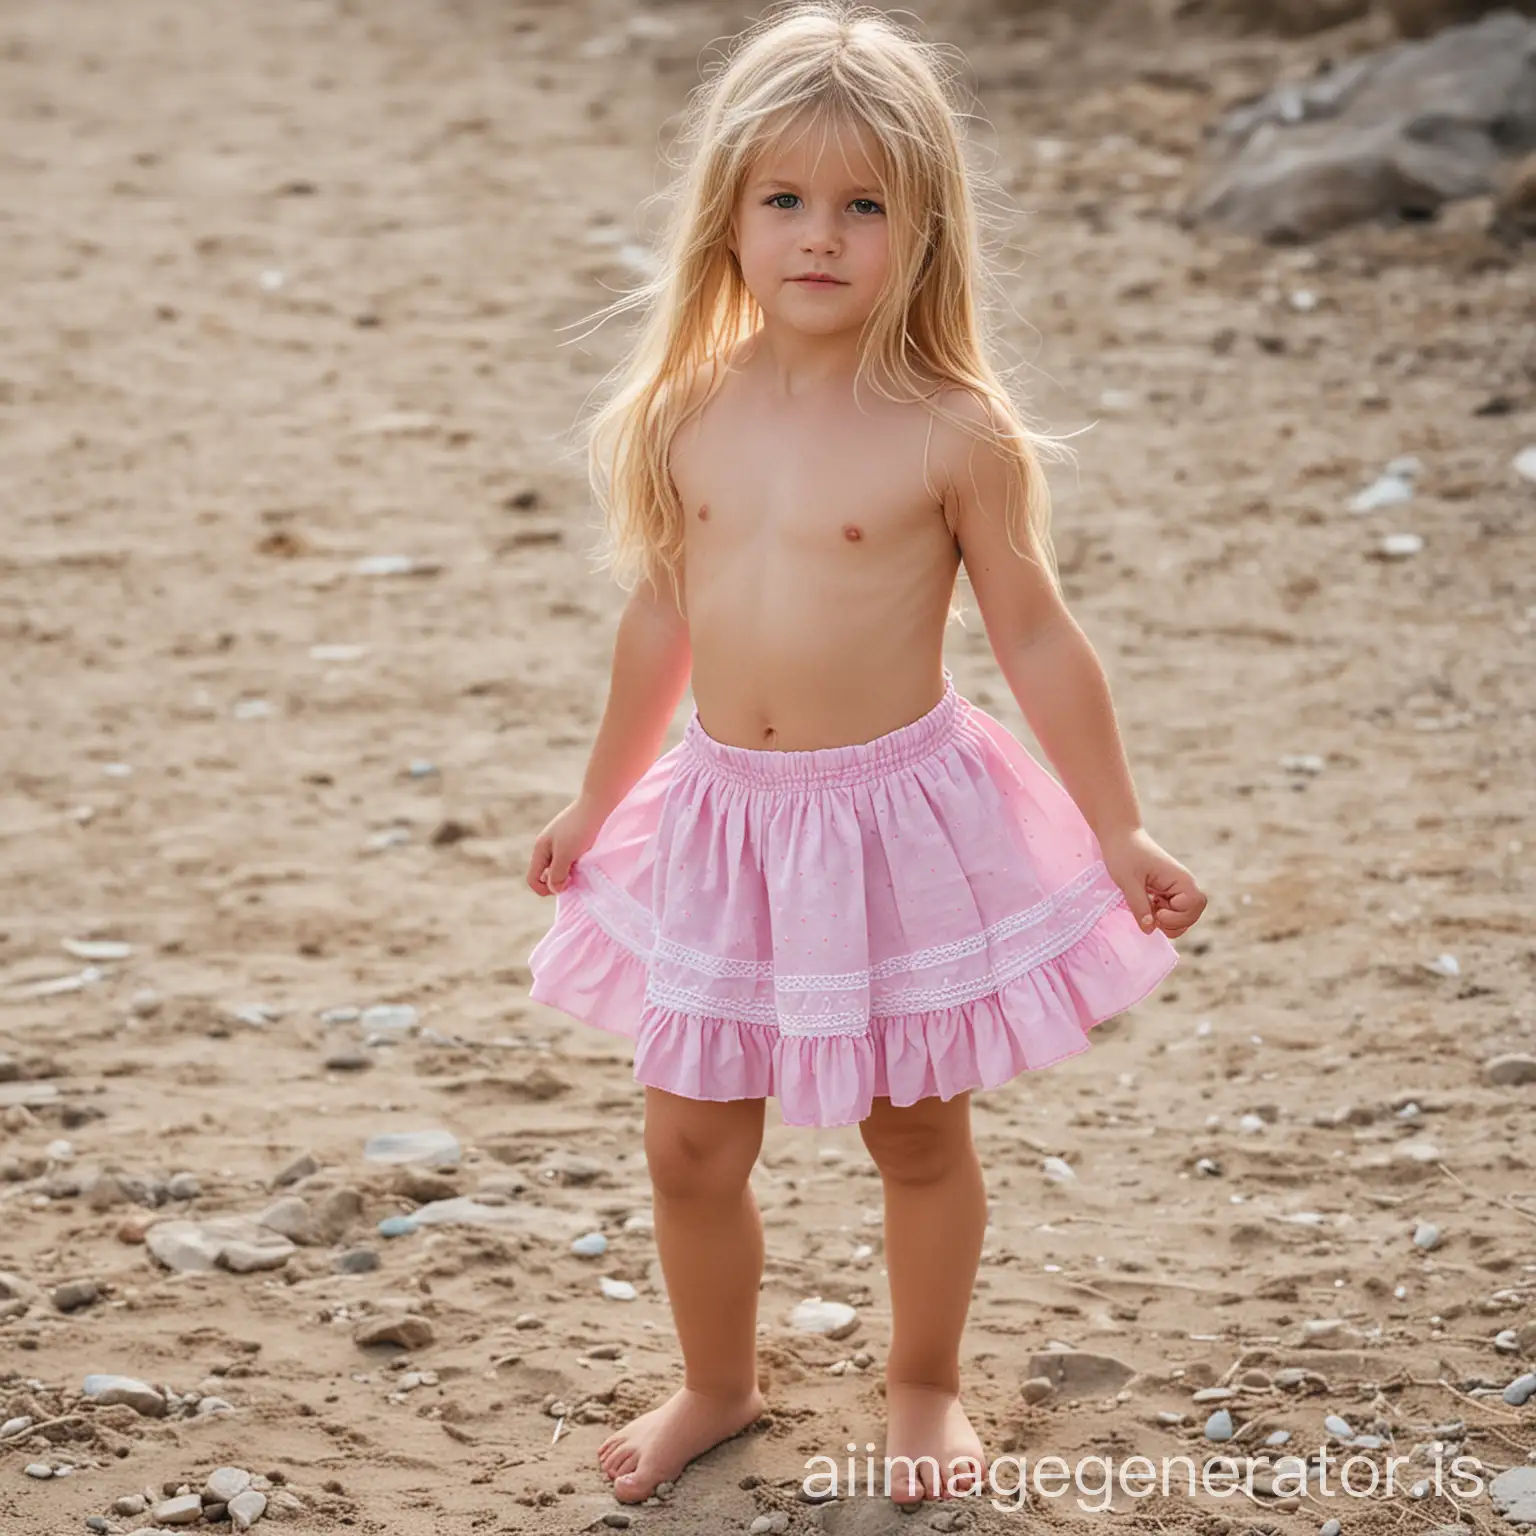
(704, 512)
(852, 533)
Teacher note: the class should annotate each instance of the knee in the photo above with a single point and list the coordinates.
(688, 1165)
(915, 1152)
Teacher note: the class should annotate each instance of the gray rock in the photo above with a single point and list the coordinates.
(1521, 1390)
(337, 1213)
(233, 1242)
(75, 1294)
(1514, 1495)
(299, 1168)
(423, 1186)
(1510, 1071)
(348, 1061)
(357, 1261)
(38, 1469)
(247, 1508)
(406, 1330)
(186, 1510)
(291, 1217)
(1405, 128)
(1426, 1236)
(225, 1484)
(208, 1406)
(1336, 1425)
(435, 1149)
(1219, 1425)
(1078, 1373)
(1036, 1389)
(130, 1504)
(138, 1395)
(184, 1186)
(1329, 1528)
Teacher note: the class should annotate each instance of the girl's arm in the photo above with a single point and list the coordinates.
(652, 663)
(1051, 668)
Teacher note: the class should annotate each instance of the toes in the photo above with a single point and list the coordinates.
(631, 1488)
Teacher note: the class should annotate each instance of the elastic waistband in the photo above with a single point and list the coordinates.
(820, 767)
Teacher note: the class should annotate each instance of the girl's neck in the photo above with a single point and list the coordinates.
(793, 365)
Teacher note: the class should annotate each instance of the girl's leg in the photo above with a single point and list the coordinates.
(709, 1235)
(935, 1214)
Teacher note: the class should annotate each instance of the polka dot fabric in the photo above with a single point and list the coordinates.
(917, 915)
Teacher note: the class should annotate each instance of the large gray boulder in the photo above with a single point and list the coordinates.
(1390, 135)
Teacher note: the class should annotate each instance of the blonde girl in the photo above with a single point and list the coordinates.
(847, 887)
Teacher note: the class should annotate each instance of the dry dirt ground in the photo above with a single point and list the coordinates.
(285, 289)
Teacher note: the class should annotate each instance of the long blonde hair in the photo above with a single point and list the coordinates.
(827, 62)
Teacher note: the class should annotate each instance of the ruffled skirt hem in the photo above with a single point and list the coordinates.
(1034, 1020)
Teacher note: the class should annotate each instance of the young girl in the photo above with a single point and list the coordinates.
(846, 887)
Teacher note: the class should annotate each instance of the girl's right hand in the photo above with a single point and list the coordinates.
(561, 843)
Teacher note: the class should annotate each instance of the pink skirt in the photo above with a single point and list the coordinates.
(909, 917)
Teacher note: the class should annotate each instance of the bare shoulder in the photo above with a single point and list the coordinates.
(963, 420)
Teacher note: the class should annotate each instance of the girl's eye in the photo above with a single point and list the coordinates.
(865, 205)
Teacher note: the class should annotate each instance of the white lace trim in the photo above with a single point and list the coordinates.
(890, 1004)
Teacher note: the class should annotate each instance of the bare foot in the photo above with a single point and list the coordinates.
(925, 1422)
(655, 1447)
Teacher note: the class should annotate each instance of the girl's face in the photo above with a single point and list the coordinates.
(811, 232)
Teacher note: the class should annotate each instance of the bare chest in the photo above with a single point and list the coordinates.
(855, 481)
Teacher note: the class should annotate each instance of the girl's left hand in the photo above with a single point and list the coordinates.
(1162, 894)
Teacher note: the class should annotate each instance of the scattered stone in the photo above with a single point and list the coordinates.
(617, 1290)
(145, 1003)
(225, 1484)
(1392, 488)
(1521, 1390)
(1513, 1494)
(76, 1294)
(348, 1061)
(1213, 1395)
(184, 1186)
(130, 1504)
(1219, 1425)
(337, 1213)
(1329, 1528)
(233, 1242)
(1525, 464)
(1426, 1236)
(390, 1019)
(39, 1470)
(300, 1168)
(423, 1186)
(1399, 546)
(1393, 132)
(1510, 1071)
(1036, 1389)
(1331, 1333)
(96, 949)
(616, 1520)
(1078, 1373)
(245, 1509)
(1059, 1171)
(398, 1226)
(831, 1319)
(433, 1148)
(15, 1426)
(291, 1218)
(138, 1395)
(407, 1330)
(357, 1261)
(593, 1245)
(1338, 1426)
(185, 1510)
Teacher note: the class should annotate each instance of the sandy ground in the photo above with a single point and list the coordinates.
(284, 288)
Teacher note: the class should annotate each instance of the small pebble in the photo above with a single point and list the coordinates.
(398, 1226)
(592, 1245)
(1521, 1390)
(39, 1469)
(1329, 1528)
(1335, 1425)
(1426, 1236)
(617, 1290)
(1219, 1425)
